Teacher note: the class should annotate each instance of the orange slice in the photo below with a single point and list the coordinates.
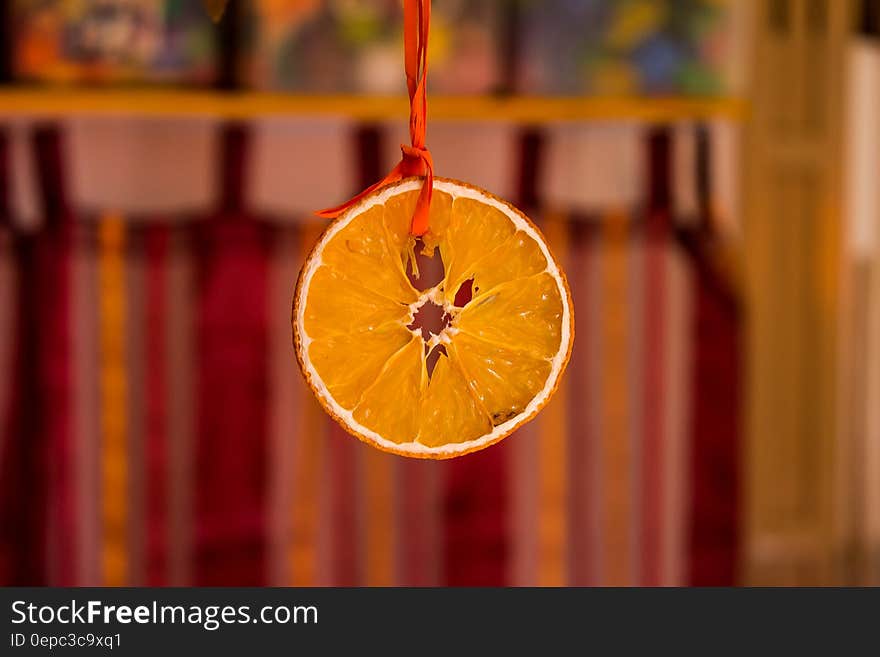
(486, 369)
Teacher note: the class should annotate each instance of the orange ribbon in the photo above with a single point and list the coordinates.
(416, 160)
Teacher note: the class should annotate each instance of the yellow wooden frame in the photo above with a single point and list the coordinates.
(53, 102)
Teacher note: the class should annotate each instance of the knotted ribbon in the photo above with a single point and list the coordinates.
(416, 160)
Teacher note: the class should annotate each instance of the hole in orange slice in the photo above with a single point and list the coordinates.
(424, 271)
(432, 357)
(430, 319)
(464, 294)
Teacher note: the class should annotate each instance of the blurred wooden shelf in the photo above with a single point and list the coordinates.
(50, 103)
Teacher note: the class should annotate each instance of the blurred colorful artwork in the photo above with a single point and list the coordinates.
(108, 41)
(356, 46)
(547, 47)
(624, 47)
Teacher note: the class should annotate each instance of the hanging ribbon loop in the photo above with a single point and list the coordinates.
(415, 159)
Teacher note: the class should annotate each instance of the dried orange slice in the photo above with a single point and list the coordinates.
(491, 366)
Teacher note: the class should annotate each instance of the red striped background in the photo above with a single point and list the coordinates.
(155, 423)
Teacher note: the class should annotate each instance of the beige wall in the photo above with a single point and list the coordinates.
(792, 229)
